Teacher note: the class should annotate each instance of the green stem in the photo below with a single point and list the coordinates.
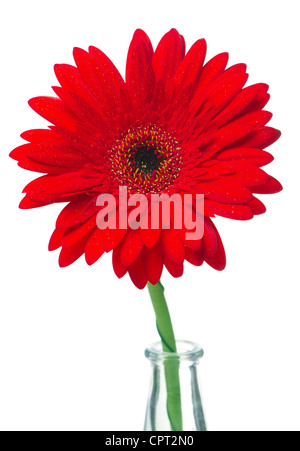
(165, 330)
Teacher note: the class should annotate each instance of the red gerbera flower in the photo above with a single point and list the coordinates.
(174, 126)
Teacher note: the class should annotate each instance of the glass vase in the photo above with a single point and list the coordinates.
(183, 367)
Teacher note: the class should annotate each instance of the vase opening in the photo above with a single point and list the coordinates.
(186, 351)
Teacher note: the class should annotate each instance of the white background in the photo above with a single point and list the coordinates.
(72, 340)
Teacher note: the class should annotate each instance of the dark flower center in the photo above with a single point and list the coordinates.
(146, 160)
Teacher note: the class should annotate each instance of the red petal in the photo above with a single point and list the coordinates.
(119, 269)
(18, 153)
(236, 106)
(228, 135)
(218, 262)
(256, 118)
(132, 246)
(232, 70)
(54, 111)
(225, 191)
(71, 254)
(84, 144)
(94, 248)
(192, 244)
(260, 100)
(47, 187)
(42, 135)
(153, 263)
(189, 70)
(105, 68)
(54, 154)
(137, 273)
(209, 241)
(31, 165)
(257, 207)
(212, 70)
(256, 157)
(56, 239)
(27, 203)
(72, 236)
(158, 98)
(109, 79)
(271, 187)
(239, 212)
(195, 258)
(150, 236)
(35, 190)
(216, 99)
(111, 238)
(176, 270)
(139, 72)
(69, 77)
(172, 246)
(81, 109)
(246, 174)
(77, 211)
(261, 138)
(100, 90)
(168, 55)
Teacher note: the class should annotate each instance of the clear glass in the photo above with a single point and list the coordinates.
(187, 358)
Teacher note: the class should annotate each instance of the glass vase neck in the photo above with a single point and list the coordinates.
(174, 403)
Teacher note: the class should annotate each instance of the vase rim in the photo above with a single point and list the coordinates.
(186, 350)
